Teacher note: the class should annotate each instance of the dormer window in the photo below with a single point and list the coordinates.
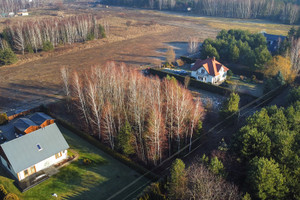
(39, 147)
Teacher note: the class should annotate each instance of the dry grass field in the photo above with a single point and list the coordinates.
(35, 79)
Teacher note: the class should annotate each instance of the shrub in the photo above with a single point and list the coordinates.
(7, 57)
(229, 73)
(128, 23)
(90, 36)
(187, 59)
(29, 49)
(48, 46)
(216, 166)
(87, 161)
(3, 192)
(102, 31)
(253, 78)
(11, 196)
(3, 118)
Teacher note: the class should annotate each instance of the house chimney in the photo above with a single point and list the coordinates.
(214, 58)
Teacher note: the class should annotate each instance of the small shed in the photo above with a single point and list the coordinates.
(41, 119)
(25, 126)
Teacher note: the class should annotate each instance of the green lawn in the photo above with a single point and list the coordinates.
(103, 178)
(245, 86)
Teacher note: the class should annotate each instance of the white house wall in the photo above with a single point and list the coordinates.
(209, 78)
(45, 163)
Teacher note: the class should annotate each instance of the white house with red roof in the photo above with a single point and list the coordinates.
(209, 71)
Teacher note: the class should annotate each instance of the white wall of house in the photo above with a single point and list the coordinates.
(46, 163)
(39, 166)
(202, 75)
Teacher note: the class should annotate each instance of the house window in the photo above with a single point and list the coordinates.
(58, 155)
(202, 71)
(29, 171)
(39, 147)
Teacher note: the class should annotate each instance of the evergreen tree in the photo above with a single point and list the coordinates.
(178, 180)
(209, 51)
(216, 166)
(265, 179)
(7, 57)
(102, 31)
(125, 139)
(231, 105)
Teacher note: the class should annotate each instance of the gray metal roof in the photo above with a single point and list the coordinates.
(39, 118)
(23, 152)
(23, 123)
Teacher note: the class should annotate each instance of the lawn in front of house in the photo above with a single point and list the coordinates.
(246, 85)
(104, 177)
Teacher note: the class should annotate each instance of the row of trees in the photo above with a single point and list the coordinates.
(14, 5)
(133, 114)
(34, 35)
(238, 46)
(281, 10)
(269, 145)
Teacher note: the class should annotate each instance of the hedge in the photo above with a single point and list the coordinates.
(3, 191)
(198, 84)
(150, 175)
(187, 59)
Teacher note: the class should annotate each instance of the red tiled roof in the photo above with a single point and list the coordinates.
(210, 65)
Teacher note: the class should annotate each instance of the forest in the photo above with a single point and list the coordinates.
(7, 6)
(284, 11)
(45, 34)
(260, 162)
(144, 118)
(237, 46)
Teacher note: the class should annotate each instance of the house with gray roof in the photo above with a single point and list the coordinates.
(33, 152)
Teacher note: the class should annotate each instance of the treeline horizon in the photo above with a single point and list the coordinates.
(284, 11)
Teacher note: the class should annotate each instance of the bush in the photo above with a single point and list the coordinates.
(11, 196)
(29, 49)
(3, 118)
(187, 60)
(7, 57)
(217, 167)
(128, 23)
(102, 31)
(90, 37)
(229, 73)
(3, 192)
(87, 161)
(48, 46)
(253, 78)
